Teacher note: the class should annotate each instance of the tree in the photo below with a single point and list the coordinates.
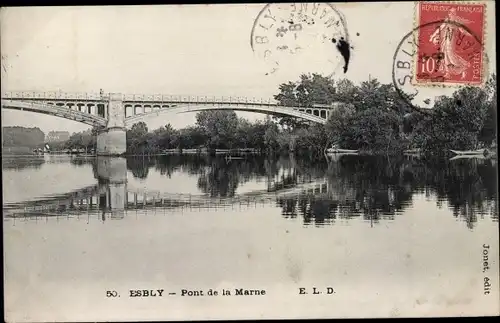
(244, 131)
(338, 123)
(136, 137)
(271, 136)
(345, 90)
(22, 137)
(139, 129)
(191, 137)
(374, 131)
(489, 130)
(88, 140)
(308, 91)
(370, 118)
(164, 137)
(314, 140)
(219, 127)
(456, 123)
(256, 137)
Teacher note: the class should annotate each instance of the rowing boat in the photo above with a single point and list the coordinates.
(470, 152)
(341, 151)
(457, 157)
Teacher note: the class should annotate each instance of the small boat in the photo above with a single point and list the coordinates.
(476, 156)
(334, 149)
(341, 151)
(412, 151)
(229, 157)
(221, 151)
(470, 152)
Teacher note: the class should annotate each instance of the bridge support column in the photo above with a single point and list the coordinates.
(111, 141)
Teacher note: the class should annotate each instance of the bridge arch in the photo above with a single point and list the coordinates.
(54, 110)
(264, 109)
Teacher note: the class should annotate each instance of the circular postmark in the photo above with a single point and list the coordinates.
(435, 56)
(308, 34)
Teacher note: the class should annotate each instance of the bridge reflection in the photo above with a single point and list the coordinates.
(110, 198)
(351, 187)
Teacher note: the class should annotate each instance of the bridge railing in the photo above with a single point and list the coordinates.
(201, 99)
(53, 95)
(144, 98)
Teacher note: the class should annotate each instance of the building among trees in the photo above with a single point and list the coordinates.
(57, 136)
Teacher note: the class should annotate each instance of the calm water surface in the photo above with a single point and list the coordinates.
(397, 237)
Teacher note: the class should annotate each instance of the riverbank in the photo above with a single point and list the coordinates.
(202, 151)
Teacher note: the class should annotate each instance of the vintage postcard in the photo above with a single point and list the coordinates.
(249, 161)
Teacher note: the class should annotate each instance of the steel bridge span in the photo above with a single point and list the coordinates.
(113, 112)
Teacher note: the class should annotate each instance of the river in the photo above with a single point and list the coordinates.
(395, 237)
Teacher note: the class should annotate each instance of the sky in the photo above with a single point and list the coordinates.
(186, 50)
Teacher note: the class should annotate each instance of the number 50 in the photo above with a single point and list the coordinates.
(111, 293)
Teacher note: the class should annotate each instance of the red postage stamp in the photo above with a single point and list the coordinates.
(450, 43)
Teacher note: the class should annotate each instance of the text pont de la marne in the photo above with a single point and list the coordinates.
(224, 292)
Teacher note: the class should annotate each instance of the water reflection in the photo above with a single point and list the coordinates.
(18, 163)
(317, 192)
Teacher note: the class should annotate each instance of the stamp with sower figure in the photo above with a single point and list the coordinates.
(451, 50)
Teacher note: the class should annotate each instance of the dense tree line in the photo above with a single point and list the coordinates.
(466, 120)
(371, 117)
(22, 137)
(213, 129)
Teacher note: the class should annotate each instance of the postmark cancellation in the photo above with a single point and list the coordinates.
(287, 33)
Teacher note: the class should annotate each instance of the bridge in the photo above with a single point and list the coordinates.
(112, 113)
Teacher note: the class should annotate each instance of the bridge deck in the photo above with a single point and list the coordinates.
(149, 99)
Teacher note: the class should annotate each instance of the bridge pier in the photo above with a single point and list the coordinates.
(112, 141)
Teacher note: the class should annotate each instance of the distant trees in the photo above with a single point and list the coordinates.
(213, 129)
(81, 140)
(22, 137)
(78, 140)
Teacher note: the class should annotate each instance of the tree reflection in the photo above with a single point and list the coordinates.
(139, 165)
(77, 161)
(21, 163)
(221, 177)
(379, 189)
(370, 188)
